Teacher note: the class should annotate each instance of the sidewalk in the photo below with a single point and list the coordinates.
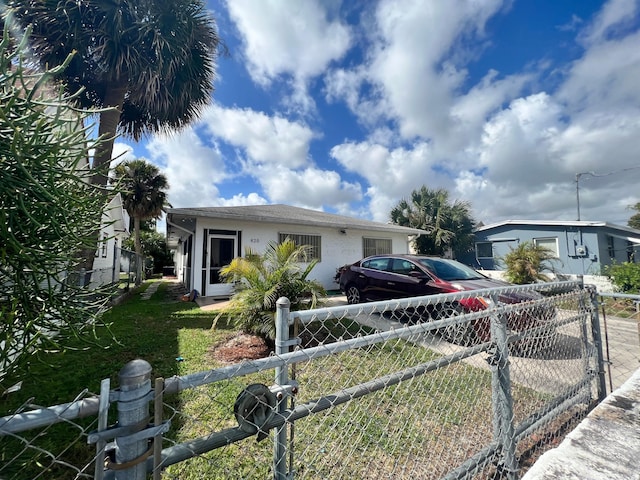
(606, 444)
(211, 303)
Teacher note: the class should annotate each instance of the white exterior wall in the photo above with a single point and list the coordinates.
(115, 222)
(603, 284)
(337, 248)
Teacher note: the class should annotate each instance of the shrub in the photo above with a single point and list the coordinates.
(49, 211)
(625, 276)
(262, 279)
(527, 262)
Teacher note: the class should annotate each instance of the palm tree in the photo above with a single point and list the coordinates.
(149, 65)
(261, 279)
(152, 61)
(450, 226)
(634, 221)
(143, 197)
(527, 262)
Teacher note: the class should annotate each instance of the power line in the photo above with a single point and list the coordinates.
(594, 174)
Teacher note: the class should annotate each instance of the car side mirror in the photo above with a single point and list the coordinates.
(418, 274)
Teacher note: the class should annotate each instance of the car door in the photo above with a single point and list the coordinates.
(372, 279)
(407, 279)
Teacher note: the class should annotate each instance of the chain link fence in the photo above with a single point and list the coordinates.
(620, 323)
(467, 385)
(118, 270)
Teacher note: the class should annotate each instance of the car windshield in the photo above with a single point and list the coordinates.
(449, 269)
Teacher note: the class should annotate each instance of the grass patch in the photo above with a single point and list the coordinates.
(416, 429)
(158, 330)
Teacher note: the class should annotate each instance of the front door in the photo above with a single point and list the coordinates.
(221, 252)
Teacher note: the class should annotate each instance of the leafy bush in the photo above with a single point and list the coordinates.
(527, 262)
(625, 276)
(262, 279)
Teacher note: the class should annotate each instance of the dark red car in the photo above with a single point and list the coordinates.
(387, 277)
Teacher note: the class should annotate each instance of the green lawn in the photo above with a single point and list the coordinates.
(158, 330)
(418, 422)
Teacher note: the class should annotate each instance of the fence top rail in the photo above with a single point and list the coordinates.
(630, 296)
(306, 316)
(178, 383)
(90, 406)
(42, 417)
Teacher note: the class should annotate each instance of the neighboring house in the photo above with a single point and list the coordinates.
(207, 239)
(114, 230)
(582, 247)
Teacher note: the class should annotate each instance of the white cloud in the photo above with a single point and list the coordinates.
(121, 152)
(393, 174)
(398, 169)
(298, 39)
(192, 168)
(471, 110)
(414, 60)
(240, 200)
(265, 139)
(311, 187)
(516, 141)
(614, 17)
(510, 144)
(605, 78)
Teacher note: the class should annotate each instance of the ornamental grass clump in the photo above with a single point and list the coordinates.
(261, 279)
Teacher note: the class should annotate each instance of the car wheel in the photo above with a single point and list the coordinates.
(414, 315)
(460, 333)
(353, 295)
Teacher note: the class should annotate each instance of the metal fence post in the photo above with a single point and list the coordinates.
(597, 340)
(502, 398)
(282, 378)
(133, 412)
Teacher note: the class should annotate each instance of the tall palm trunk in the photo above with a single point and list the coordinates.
(113, 100)
(108, 125)
(139, 260)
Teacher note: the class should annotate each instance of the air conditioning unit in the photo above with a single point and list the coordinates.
(581, 250)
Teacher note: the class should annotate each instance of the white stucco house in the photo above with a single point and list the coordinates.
(206, 239)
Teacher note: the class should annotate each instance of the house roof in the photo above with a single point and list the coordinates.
(559, 223)
(286, 214)
(117, 214)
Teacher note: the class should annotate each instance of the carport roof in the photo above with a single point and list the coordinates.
(287, 214)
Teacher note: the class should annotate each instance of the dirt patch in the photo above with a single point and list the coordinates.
(238, 347)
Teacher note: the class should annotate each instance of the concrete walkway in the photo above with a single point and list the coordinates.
(151, 289)
(606, 445)
(211, 303)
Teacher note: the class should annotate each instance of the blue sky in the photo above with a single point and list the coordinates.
(347, 106)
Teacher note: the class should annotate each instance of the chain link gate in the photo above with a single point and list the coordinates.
(620, 323)
(373, 390)
(467, 385)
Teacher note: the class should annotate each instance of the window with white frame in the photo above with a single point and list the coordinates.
(550, 243)
(312, 241)
(484, 249)
(375, 246)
